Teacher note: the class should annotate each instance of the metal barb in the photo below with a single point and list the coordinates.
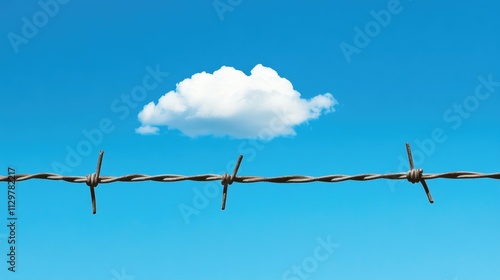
(292, 179)
(226, 180)
(93, 181)
(411, 176)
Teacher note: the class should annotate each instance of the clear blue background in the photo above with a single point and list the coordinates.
(395, 90)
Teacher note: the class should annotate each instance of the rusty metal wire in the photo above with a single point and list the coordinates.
(92, 180)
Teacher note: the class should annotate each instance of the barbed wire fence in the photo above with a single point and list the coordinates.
(414, 175)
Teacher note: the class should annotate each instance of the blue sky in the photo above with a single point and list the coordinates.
(411, 71)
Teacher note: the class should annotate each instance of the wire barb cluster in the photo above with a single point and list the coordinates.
(92, 180)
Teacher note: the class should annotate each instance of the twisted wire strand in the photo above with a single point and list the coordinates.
(250, 179)
(414, 175)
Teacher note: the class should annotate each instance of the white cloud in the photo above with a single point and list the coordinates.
(147, 129)
(228, 102)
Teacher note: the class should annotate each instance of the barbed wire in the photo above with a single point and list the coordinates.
(92, 180)
(251, 179)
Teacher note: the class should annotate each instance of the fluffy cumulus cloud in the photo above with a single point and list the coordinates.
(228, 102)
